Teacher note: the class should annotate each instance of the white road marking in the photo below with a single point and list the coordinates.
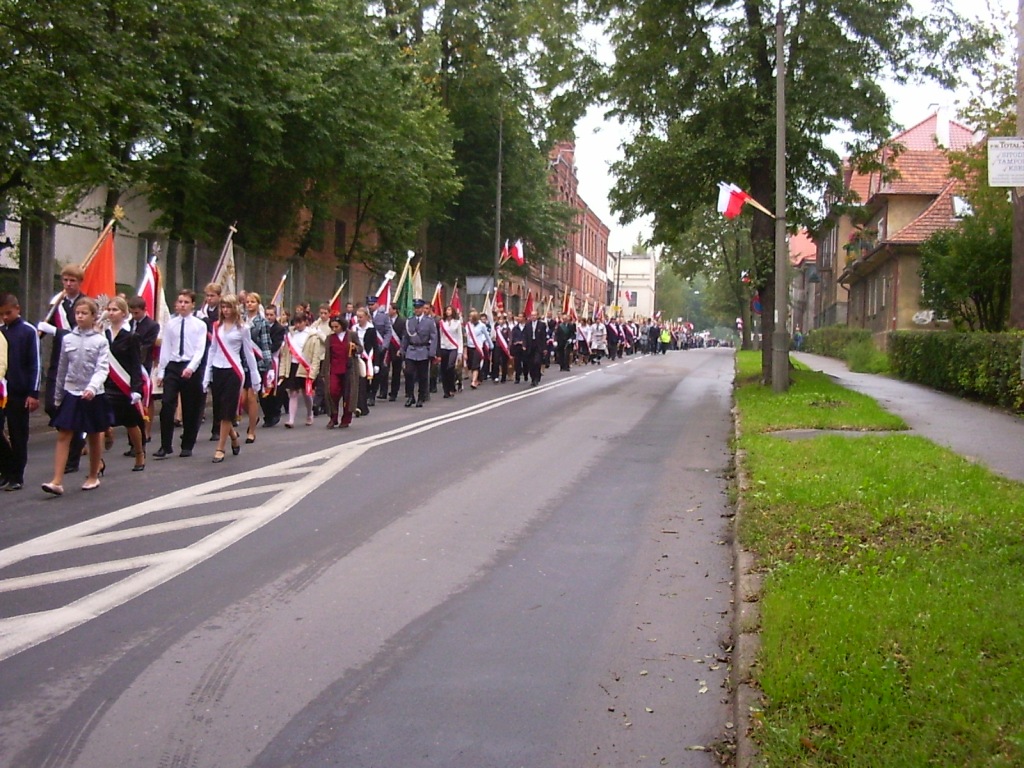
(19, 633)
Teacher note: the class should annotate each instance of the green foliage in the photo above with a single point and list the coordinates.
(982, 366)
(833, 340)
(892, 619)
(865, 357)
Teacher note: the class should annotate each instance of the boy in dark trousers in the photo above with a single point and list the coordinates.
(22, 392)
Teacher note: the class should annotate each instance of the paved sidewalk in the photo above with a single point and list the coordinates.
(981, 433)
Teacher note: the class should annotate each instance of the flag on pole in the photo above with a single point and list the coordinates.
(572, 307)
(99, 272)
(224, 274)
(528, 309)
(599, 313)
(565, 300)
(278, 297)
(384, 292)
(149, 286)
(404, 294)
(499, 299)
(731, 200)
(517, 254)
(487, 305)
(336, 299)
(456, 301)
(417, 283)
(504, 253)
(437, 302)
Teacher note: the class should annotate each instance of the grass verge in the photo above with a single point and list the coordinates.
(893, 605)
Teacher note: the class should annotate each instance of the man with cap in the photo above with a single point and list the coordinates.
(419, 346)
(382, 325)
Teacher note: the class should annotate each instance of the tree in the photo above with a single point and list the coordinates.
(697, 79)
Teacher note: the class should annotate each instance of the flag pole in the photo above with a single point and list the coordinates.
(405, 273)
(337, 293)
(279, 293)
(118, 215)
(224, 250)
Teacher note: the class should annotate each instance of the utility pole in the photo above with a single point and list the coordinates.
(497, 201)
(780, 337)
(1017, 194)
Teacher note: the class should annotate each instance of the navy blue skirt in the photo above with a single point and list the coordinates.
(78, 415)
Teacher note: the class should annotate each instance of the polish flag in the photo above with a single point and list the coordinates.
(149, 286)
(528, 309)
(504, 253)
(517, 254)
(438, 301)
(731, 199)
(456, 301)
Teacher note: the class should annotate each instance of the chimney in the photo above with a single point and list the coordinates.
(942, 127)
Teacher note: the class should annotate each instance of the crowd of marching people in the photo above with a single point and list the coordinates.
(110, 364)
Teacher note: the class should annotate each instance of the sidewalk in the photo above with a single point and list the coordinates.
(980, 433)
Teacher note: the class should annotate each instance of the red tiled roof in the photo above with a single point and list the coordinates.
(802, 248)
(921, 172)
(923, 135)
(936, 217)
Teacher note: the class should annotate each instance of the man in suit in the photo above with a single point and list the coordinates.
(535, 338)
(146, 330)
(565, 335)
(382, 325)
(395, 356)
(63, 317)
(180, 372)
(273, 400)
(419, 345)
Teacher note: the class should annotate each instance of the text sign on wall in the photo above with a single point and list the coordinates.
(1006, 162)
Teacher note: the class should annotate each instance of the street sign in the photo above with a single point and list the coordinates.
(1006, 161)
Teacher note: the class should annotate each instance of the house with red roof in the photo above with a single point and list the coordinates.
(878, 261)
(804, 281)
(868, 271)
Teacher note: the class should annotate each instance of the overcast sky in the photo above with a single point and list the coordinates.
(598, 143)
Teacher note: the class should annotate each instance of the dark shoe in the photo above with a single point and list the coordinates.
(214, 438)
(419, 403)
(434, 390)
(250, 439)
(103, 468)
(129, 452)
(392, 398)
(218, 456)
(409, 402)
(235, 447)
(70, 469)
(14, 486)
(371, 401)
(271, 423)
(163, 453)
(185, 453)
(447, 395)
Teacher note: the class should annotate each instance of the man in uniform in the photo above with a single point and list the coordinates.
(395, 356)
(419, 346)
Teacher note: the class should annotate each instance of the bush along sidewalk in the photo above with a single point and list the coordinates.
(891, 606)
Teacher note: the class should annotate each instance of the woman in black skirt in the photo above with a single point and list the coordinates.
(124, 384)
(78, 394)
(230, 357)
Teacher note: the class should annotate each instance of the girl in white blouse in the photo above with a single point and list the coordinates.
(230, 366)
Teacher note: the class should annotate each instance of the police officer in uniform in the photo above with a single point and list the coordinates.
(419, 346)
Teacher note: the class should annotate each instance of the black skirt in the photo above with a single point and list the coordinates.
(123, 413)
(225, 388)
(78, 415)
(475, 359)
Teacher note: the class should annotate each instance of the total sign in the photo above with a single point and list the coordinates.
(1006, 162)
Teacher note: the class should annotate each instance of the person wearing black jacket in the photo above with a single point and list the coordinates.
(395, 359)
(565, 335)
(271, 399)
(22, 392)
(535, 338)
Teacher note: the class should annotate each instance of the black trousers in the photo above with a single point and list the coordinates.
(417, 376)
(499, 364)
(536, 360)
(380, 379)
(14, 451)
(519, 354)
(448, 360)
(192, 399)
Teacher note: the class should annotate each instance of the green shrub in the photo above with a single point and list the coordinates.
(865, 357)
(833, 340)
(981, 366)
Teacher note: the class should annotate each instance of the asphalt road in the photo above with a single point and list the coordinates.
(514, 577)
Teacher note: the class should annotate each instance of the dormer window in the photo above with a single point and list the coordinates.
(961, 207)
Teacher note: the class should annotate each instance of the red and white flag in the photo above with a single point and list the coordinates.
(528, 309)
(504, 253)
(731, 200)
(517, 254)
(456, 301)
(437, 302)
(149, 286)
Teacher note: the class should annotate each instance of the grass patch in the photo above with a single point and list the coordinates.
(865, 357)
(813, 401)
(893, 604)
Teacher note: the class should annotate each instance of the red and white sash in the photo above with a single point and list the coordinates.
(297, 356)
(123, 380)
(448, 335)
(502, 342)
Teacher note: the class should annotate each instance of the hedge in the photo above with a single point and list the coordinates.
(980, 366)
(833, 340)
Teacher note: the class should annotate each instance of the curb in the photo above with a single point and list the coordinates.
(747, 582)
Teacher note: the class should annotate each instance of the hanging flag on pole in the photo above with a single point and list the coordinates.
(731, 200)
(336, 299)
(499, 299)
(437, 302)
(384, 292)
(517, 254)
(456, 301)
(224, 274)
(99, 272)
(417, 282)
(487, 305)
(528, 309)
(149, 285)
(504, 253)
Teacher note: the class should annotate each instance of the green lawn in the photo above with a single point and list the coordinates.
(893, 604)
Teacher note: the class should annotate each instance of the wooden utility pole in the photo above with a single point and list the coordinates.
(1017, 265)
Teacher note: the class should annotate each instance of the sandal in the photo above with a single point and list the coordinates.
(235, 447)
(218, 456)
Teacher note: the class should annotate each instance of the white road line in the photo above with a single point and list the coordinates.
(19, 633)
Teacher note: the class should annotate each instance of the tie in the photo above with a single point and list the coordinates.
(181, 339)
